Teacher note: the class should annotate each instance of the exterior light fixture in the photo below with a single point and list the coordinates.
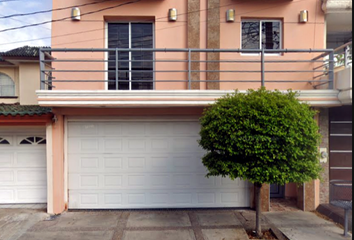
(172, 14)
(230, 15)
(75, 14)
(304, 16)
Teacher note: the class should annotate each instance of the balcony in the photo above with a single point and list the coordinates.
(180, 77)
(343, 73)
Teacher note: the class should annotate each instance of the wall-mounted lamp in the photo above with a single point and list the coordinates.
(75, 14)
(304, 16)
(230, 15)
(172, 14)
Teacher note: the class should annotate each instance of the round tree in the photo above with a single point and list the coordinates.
(261, 136)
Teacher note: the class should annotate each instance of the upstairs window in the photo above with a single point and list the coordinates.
(134, 69)
(7, 86)
(261, 34)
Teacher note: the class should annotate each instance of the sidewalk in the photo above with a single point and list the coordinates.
(305, 226)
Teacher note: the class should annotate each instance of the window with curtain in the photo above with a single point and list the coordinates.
(7, 86)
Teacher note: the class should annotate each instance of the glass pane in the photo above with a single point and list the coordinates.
(118, 37)
(25, 142)
(271, 35)
(142, 66)
(250, 35)
(4, 141)
(7, 86)
(7, 90)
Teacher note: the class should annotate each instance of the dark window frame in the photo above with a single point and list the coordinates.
(260, 37)
(129, 76)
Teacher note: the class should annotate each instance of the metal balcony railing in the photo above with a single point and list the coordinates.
(177, 69)
(343, 55)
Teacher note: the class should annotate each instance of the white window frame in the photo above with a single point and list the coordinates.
(130, 54)
(260, 32)
(14, 86)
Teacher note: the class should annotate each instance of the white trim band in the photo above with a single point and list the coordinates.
(96, 98)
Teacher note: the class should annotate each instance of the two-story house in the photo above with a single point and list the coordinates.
(129, 80)
(23, 173)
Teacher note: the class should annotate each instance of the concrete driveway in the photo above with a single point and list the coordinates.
(136, 225)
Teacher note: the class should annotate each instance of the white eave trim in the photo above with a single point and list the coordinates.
(102, 98)
(337, 6)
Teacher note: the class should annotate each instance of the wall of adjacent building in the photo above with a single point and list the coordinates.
(27, 82)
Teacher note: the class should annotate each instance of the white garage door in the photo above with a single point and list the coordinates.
(23, 174)
(143, 165)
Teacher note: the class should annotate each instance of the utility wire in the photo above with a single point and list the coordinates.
(100, 29)
(9, 1)
(62, 19)
(49, 10)
(181, 25)
(17, 20)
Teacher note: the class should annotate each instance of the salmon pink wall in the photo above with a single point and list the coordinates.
(296, 35)
(90, 33)
(58, 203)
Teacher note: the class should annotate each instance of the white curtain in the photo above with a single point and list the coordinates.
(7, 86)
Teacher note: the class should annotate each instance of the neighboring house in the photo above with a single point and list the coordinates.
(23, 173)
(128, 84)
(340, 118)
(339, 37)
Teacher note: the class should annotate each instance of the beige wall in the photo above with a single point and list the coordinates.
(29, 83)
(26, 77)
(12, 72)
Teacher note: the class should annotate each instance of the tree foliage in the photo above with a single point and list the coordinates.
(261, 136)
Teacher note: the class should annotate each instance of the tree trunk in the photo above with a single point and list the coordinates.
(257, 188)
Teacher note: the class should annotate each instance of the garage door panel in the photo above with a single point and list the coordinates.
(157, 199)
(186, 129)
(6, 159)
(7, 195)
(128, 181)
(187, 144)
(110, 163)
(144, 165)
(30, 195)
(85, 145)
(31, 159)
(83, 129)
(32, 177)
(23, 167)
(7, 177)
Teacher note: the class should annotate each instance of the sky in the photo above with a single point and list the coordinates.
(8, 39)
